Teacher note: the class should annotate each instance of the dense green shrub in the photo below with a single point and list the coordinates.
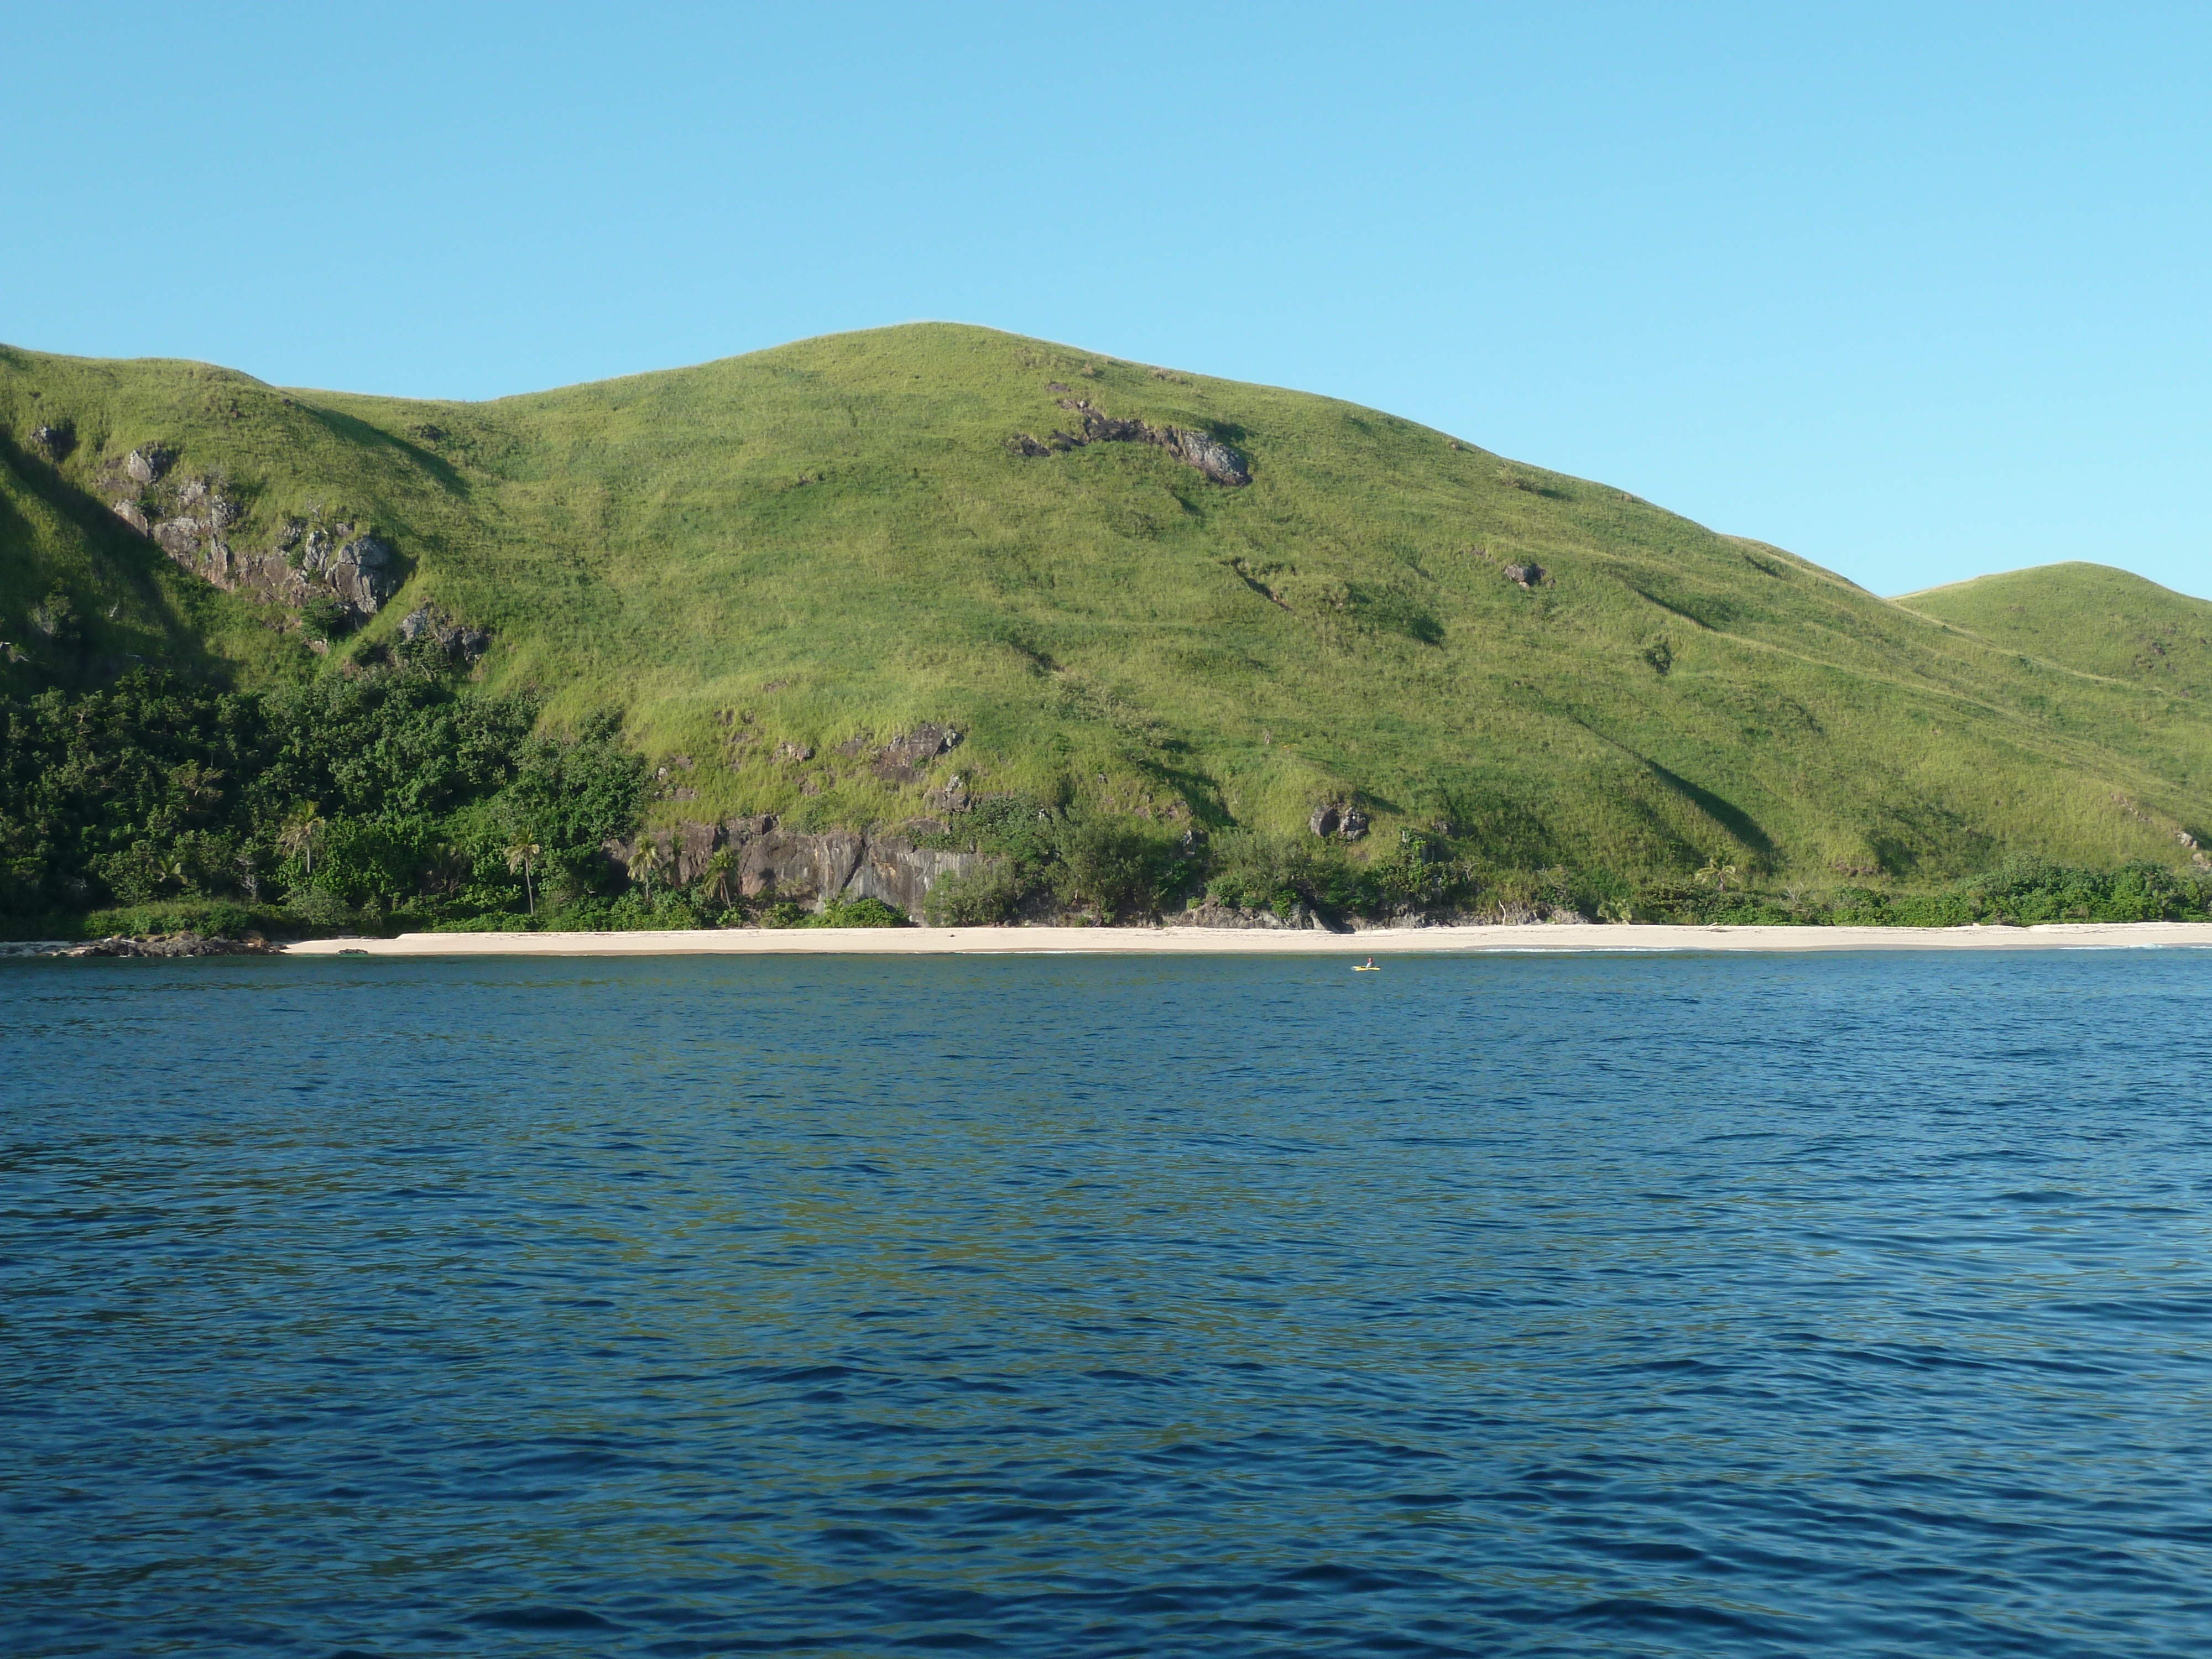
(1119, 867)
(2027, 892)
(222, 917)
(324, 618)
(981, 897)
(858, 912)
(498, 922)
(1249, 870)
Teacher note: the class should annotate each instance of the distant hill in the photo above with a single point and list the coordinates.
(2089, 617)
(1145, 589)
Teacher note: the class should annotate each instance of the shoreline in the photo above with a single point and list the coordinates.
(1540, 938)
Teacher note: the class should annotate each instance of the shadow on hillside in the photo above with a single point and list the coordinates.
(1731, 817)
(352, 428)
(132, 562)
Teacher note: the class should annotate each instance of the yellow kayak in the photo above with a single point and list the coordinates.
(1365, 967)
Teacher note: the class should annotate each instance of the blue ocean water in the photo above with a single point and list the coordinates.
(1857, 1305)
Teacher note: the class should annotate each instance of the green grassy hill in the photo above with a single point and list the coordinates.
(2088, 618)
(839, 539)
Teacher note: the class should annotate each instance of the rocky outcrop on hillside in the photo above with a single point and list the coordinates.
(428, 625)
(1338, 818)
(1195, 448)
(904, 758)
(146, 465)
(190, 518)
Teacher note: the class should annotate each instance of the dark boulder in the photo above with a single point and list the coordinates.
(1202, 450)
(1338, 818)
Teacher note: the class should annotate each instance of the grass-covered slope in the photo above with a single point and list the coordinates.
(839, 538)
(83, 597)
(2089, 617)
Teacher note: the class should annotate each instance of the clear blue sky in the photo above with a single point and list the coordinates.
(1916, 293)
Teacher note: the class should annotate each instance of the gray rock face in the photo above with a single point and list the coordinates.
(1324, 820)
(1529, 575)
(777, 863)
(360, 574)
(53, 443)
(691, 844)
(179, 538)
(148, 464)
(128, 512)
(789, 863)
(892, 869)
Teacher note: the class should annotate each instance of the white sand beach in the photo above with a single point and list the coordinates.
(1377, 941)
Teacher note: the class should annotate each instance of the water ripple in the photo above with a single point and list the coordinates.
(1621, 1305)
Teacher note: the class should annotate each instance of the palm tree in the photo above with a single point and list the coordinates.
(522, 853)
(301, 829)
(722, 870)
(1716, 874)
(646, 863)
